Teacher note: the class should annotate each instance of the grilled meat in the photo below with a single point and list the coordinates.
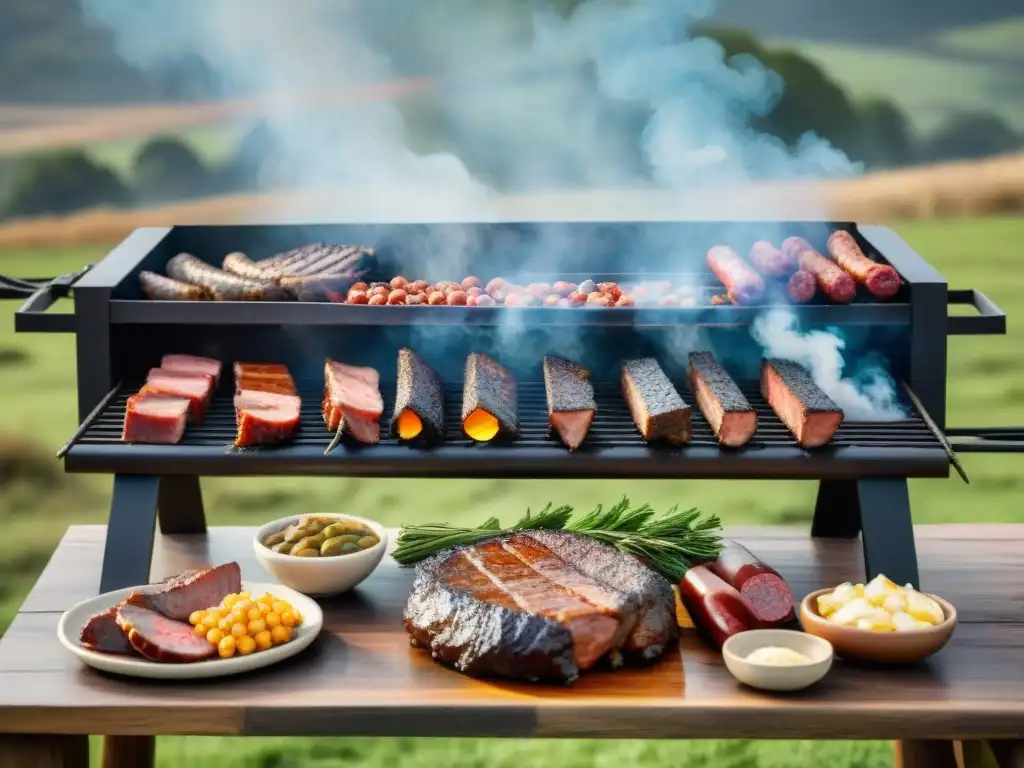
(192, 364)
(489, 399)
(539, 605)
(102, 634)
(570, 397)
(770, 261)
(163, 288)
(833, 281)
(155, 419)
(881, 280)
(177, 597)
(741, 281)
(223, 285)
(724, 406)
(238, 263)
(263, 377)
(419, 400)
(160, 639)
(658, 410)
(352, 401)
(197, 387)
(265, 418)
(803, 407)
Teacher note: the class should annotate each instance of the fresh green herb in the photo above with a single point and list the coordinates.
(669, 543)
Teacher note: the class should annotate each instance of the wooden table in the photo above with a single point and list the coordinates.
(362, 678)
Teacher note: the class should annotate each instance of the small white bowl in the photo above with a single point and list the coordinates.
(768, 677)
(318, 576)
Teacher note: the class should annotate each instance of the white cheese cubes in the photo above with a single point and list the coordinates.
(881, 605)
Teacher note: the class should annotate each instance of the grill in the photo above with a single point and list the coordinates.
(862, 473)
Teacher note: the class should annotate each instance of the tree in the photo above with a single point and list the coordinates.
(62, 182)
(888, 139)
(166, 168)
(972, 135)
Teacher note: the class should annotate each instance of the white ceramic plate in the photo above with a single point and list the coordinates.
(70, 627)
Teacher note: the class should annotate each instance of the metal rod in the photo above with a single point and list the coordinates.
(939, 434)
(85, 425)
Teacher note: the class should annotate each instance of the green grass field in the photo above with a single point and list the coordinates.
(214, 144)
(1001, 38)
(37, 502)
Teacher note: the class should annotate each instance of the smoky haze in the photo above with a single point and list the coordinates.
(615, 95)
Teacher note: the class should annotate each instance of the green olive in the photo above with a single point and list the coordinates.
(310, 542)
(274, 539)
(349, 547)
(333, 545)
(368, 541)
(310, 520)
(307, 552)
(283, 548)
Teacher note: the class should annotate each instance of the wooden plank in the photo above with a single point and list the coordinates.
(924, 754)
(362, 678)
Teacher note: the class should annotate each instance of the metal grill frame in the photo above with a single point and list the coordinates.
(860, 492)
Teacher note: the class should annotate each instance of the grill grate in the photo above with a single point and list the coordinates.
(613, 447)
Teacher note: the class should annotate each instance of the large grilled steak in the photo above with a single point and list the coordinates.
(539, 606)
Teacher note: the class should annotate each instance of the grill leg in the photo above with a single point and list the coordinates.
(878, 509)
(128, 552)
(180, 505)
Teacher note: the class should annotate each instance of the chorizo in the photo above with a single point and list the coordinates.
(718, 610)
(741, 281)
(801, 287)
(764, 589)
(881, 280)
(770, 261)
(833, 281)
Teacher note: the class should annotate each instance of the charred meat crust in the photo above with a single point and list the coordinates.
(419, 389)
(223, 285)
(163, 288)
(716, 378)
(494, 637)
(490, 386)
(658, 410)
(799, 381)
(809, 414)
(568, 391)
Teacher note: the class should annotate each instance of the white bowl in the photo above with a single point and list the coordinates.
(777, 678)
(315, 575)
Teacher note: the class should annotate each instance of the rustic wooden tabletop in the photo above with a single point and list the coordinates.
(362, 678)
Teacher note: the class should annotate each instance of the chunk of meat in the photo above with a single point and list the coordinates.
(658, 411)
(265, 418)
(161, 639)
(352, 396)
(197, 387)
(101, 633)
(570, 397)
(177, 597)
(192, 364)
(726, 409)
(155, 419)
(810, 414)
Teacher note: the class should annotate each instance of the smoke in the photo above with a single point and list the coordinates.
(619, 93)
(867, 395)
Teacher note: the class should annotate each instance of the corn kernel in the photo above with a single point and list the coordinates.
(280, 634)
(214, 636)
(256, 626)
(263, 640)
(246, 645)
(226, 647)
(196, 617)
(238, 630)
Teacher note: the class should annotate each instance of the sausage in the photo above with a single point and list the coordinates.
(162, 288)
(742, 283)
(770, 261)
(762, 586)
(718, 610)
(833, 281)
(161, 639)
(238, 263)
(881, 280)
(223, 285)
(801, 287)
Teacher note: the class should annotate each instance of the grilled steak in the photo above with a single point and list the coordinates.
(539, 605)
(196, 387)
(154, 419)
(570, 397)
(161, 639)
(803, 407)
(727, 411)
(101, 633)
(419, 400)
(489, 404)
(177, 597)
(658, 410)
(192, 364)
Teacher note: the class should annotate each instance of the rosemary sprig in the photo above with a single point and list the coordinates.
(669, 543)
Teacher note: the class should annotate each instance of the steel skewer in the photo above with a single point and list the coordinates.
(939, 435)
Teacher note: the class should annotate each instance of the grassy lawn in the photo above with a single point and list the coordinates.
(213, 143)
(1001, 38)
(927, 87)
(37, 501)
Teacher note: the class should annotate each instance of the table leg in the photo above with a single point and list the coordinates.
(924, 754)
(128, 553)
(180, 505)
(1002, 753)
(129, 751)
(44, 751)
(878, 509)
